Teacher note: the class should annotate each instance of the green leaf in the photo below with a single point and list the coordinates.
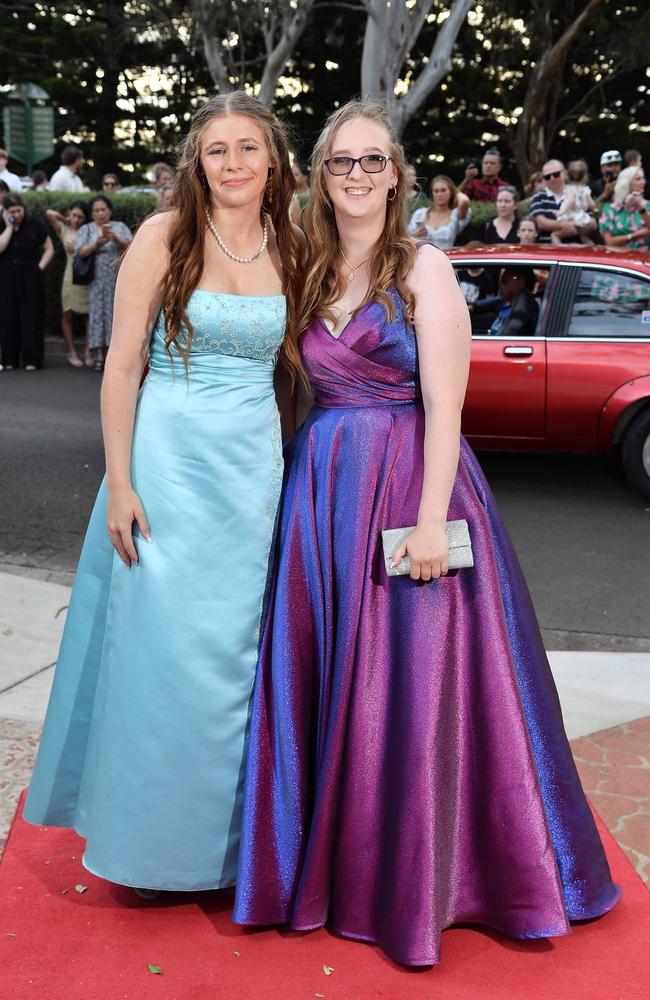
(155, 969)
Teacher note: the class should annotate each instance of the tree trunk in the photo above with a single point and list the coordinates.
(280, 48)
(535, 130)
(392, 29)
(107, 111)
(281, 25)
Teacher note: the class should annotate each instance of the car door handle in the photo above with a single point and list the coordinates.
(518, 352)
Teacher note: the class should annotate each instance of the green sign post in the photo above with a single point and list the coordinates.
(28, 122)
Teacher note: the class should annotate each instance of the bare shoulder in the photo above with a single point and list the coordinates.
(158, 226)
(153, 236)
(430, 263)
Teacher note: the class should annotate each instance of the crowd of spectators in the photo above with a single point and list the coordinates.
(560, 205)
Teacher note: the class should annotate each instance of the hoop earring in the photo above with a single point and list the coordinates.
(394, 190)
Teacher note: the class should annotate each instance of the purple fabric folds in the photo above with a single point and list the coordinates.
(407, 766)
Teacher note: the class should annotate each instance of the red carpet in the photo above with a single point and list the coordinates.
(66, 945)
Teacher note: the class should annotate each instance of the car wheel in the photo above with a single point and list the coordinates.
(636, 453)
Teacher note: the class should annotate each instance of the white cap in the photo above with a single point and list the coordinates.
(611, 156)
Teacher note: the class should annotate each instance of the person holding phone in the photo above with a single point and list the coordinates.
(625, 222)
(25, 251)
(74, 298)
(487, 186)
(445, 219)
(107, 239)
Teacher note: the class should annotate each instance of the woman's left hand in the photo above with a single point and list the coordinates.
(428, 550)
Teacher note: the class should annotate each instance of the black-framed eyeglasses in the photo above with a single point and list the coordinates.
(555, 173)
(371, 163)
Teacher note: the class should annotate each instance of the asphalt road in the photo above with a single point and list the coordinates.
(582, 534)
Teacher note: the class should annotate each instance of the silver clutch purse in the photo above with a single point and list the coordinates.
(460, 547)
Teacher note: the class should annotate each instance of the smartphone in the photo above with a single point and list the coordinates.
(609, 176)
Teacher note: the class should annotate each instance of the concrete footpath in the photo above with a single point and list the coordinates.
(605, 700)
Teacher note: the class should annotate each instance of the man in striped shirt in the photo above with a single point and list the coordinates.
(547, 204)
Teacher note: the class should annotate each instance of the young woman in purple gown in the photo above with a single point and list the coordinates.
(408, 768)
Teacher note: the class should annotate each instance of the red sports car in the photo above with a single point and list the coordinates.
(561, 351)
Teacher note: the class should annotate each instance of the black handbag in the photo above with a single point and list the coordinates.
(83, 269)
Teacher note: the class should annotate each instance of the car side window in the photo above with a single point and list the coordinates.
(503, 300)
(610, 304)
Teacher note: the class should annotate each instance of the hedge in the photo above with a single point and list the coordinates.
(132, 209)
(128, 208)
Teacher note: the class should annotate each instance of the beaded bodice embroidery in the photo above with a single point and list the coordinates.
(241, 326)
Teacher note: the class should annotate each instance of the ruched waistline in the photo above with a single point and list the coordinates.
(341, 403)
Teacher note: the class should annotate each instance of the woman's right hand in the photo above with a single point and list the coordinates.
(420, 229)
(124, 507)
(100, 241)
(8, 218)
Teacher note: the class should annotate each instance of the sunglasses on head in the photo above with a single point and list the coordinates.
(554, 173)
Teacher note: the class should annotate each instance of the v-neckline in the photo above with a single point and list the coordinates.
(333, 336)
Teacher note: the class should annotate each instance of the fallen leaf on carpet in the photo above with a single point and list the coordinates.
(155, 969)
(328, 970)
(10, 934)
(81, 888)
(64, 607)
(236, 953)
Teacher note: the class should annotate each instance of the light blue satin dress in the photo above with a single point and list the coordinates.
(143, 746)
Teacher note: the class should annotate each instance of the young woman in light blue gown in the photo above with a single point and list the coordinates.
(143, 745)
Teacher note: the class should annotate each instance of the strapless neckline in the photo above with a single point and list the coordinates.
(234, 295)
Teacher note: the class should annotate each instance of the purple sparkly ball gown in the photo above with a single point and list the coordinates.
(408, 767)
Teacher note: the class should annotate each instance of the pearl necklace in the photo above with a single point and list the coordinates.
(354, 267)
(228, 251)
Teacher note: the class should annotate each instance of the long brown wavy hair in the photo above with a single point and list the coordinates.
(451, 187)
(191, 197)
(394, 253)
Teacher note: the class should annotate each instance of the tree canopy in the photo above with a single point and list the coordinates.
(529, 76)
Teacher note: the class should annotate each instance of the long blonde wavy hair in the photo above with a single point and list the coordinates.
(394, 254)
(191, 197)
